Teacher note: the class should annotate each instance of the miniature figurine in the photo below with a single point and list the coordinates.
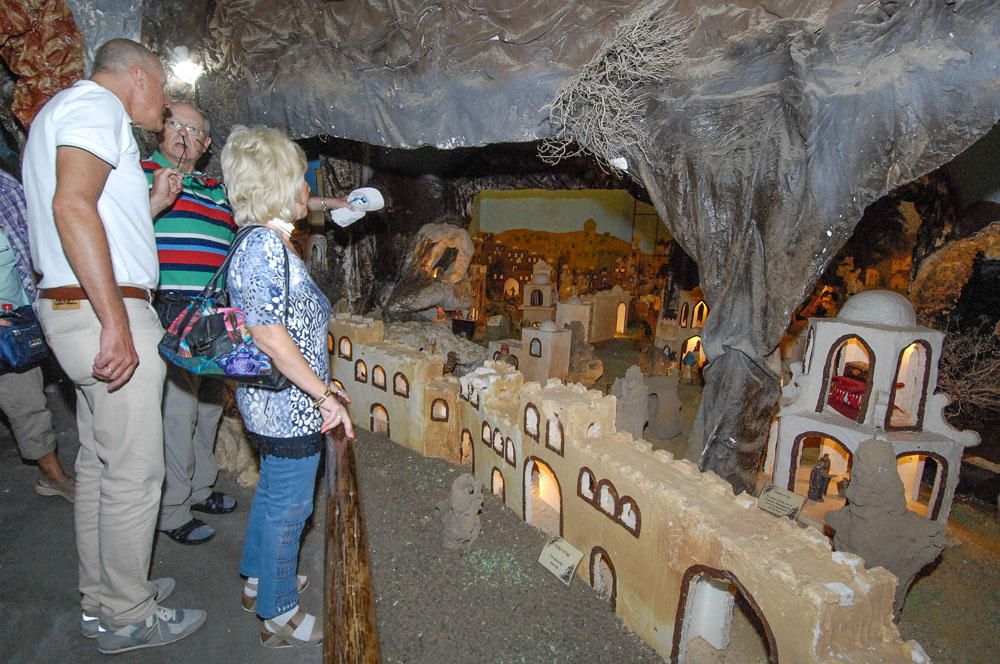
(819, 479)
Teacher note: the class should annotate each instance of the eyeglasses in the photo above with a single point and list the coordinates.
(191, 130)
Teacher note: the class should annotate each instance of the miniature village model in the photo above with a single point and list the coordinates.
(668, 545)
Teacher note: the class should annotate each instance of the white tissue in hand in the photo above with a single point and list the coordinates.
(344, 217)
(368, 199)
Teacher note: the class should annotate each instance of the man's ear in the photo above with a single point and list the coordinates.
(208, 142)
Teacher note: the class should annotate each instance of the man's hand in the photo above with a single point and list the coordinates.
(116, 360)
(167, 185)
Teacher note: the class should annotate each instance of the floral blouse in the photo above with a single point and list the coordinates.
(256, 284)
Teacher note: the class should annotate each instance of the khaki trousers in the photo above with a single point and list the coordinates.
(192, 408)
(119, 468)
(22, 400)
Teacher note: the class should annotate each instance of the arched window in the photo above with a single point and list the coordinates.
(585, 485)
(700, 314)
(594, 430)
(400, 386)
(630, 517)
(439, 410)
(536, 298)
(378, 376)
(467, 455)
(487, 433)
(344, 348)
(607, 497)
(497, 441)
(509, 455)
(535, 349)
(554, 435)
(331, 343)
(497, 484)
(908, 396)
(338, 385)
(379, 422)
(361, 371)
(682, 320)
(531, 421)
(848, 375)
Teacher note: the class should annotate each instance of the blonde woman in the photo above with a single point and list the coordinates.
(265, 175)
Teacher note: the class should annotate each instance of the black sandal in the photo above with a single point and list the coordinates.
(182, 535)
(214, 504)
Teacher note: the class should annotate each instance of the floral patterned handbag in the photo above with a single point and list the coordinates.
(210, 338)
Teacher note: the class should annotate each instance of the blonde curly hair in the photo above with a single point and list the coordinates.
(264, 173)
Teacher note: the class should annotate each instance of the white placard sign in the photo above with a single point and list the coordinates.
(780, 502)
(494, 321)
(561, 558)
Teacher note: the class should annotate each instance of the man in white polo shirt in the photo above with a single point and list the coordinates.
(91, 237)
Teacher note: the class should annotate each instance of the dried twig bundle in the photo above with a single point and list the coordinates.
(601, 109)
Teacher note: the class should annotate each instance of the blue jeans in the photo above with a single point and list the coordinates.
(281, 505)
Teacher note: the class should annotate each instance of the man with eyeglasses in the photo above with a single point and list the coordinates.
(89, 226)
(193, 234)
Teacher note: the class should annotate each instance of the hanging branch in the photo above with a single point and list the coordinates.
(601, 110)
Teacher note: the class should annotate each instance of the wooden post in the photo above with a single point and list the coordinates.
(350, 633)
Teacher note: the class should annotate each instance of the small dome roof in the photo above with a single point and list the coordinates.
(879, 307)
(548, 326)
(541, 278)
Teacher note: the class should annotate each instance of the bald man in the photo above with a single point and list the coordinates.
(193, 234)
(91, 234)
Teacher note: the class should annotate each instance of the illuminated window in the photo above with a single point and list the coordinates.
(535, 349)
(487, 433)
(554, 435)
(361, 371)
(344, 348)
(378, 376)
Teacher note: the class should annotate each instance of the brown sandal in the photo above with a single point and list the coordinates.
(273, 635)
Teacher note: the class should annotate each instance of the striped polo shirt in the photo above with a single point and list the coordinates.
(193, 235)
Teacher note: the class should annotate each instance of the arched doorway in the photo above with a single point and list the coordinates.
(924, 476)
(807, 450)
(379, 419)
(542, 497)
(621, 318)
(497, 485)
(909, 390)
(848, 375)
(700, 314)
(602, 575)
(536, 298)
(511, 288)
(707, 619)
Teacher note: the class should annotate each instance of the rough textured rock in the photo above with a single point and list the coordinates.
(584, 365)
(942, 276)
(460, 513)
(423, 282)
(234, 453)
(630, 402)
(876, 525)
(665, 409)
(437, 338)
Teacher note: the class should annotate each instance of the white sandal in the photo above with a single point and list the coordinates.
(249, 600)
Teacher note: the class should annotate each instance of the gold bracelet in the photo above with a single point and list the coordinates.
(326, 395)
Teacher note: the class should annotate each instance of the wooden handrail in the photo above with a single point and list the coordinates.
(350, 632)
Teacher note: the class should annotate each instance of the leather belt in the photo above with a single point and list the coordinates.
(77, 293)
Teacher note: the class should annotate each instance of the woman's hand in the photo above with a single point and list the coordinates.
(335, 413)
(327, 203)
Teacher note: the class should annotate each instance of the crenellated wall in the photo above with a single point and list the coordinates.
(652, 529)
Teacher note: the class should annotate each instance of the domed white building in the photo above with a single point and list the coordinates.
(871, 372)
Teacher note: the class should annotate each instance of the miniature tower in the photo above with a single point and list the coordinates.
(539, 295)
(871, 373)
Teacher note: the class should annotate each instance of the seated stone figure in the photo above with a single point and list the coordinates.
(819, 479)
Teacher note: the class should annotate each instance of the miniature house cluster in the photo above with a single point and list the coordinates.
(871, 372)
(669, 546)
(679, 330)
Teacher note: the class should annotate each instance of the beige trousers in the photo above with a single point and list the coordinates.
(22, 399)
(119, 468)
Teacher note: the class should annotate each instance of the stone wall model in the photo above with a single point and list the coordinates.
(668, 545)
